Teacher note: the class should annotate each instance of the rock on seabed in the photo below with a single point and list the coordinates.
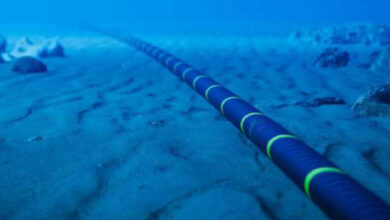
(375, 103)
(53, 48)
(29, 65)
(332, 57)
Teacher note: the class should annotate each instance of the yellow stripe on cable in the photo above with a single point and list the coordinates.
(176, 65)
(185, 72)
(225, 101)
(145, 48)
(155, 50)
(141, 45)
(206, 94)
(277, 137)
(310, 176)
(196, 79)
(148, 50)
(246, 117)
(160, 56)
(168, 60)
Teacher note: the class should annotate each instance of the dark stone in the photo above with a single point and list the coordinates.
(333, 58)
(158, 123)
(376, 102)
(29, 65)
(380, 94)
(35, 139)
(321, 101)
(317, 102)
(53, 48)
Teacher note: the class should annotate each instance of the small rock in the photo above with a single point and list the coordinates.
(53, 48)
(158, 123)
(29, 65)
(380, 94)
(321, 101)
(382, 61)
(317, 102)
(333, 58)
(35, 139)
(375, 103)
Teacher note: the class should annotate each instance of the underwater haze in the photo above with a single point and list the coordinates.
(204, 11)
(157, 110)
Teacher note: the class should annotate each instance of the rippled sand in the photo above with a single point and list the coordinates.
(122, 138)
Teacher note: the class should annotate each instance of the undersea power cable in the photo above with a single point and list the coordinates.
(334, 191)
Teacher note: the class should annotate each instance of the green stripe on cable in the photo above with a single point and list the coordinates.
(196, 79)
(185, 72)
(176, 66)
(271, 142)
(206, 94)
(315, 172)
(225, 101)
(168, 60)
(246, 117)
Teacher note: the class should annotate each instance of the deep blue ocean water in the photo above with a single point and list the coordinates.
(92, 127)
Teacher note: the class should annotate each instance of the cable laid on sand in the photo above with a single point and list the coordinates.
(336, 193)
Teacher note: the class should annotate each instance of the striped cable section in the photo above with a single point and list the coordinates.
(337, 194)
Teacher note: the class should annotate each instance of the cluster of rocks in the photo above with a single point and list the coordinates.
(346, 34)
(27, 54)
(333, 58)
(376, 102)
(25, 47)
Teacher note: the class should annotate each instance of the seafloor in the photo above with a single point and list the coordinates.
(122, 138)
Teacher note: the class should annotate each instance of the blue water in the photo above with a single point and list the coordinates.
(202, 11)
(91, 128)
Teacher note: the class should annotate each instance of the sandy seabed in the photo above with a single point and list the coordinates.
(122, 138)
